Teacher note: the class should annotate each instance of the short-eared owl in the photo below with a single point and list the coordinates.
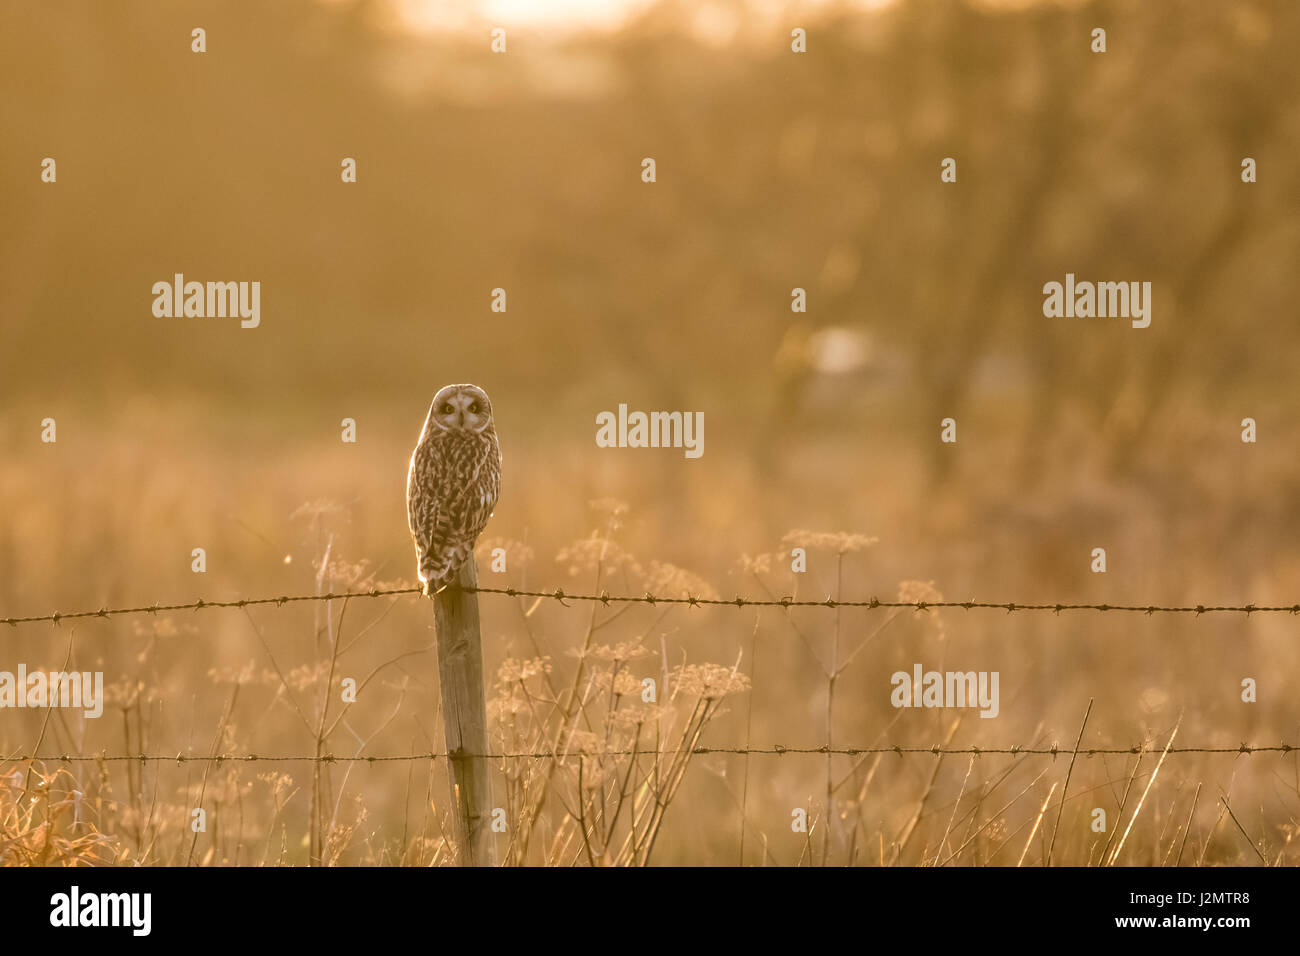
(453, 482)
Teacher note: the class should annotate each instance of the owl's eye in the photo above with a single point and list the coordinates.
(447, 409)
(473, 407)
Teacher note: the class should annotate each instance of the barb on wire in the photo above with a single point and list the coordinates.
(201, 604)
(560, 595)
(774, 750)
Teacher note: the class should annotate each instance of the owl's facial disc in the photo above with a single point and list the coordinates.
(462, 408)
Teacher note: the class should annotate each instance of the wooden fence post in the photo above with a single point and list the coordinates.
(464, 715)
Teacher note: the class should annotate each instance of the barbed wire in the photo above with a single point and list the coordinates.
(605, 598)
(774, 750)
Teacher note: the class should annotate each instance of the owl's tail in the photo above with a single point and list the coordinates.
(431, 588)
(440, 569)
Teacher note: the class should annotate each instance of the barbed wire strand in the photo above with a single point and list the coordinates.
(774, 750)
(559, 594)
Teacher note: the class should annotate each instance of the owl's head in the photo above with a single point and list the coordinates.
(461, 408)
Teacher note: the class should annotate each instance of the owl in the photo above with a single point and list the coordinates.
(453, 482)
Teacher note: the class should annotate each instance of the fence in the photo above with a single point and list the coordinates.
(605, 598)
(559, 594)
(468, 756)
(774, 750)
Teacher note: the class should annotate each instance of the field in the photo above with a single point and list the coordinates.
(775, 171)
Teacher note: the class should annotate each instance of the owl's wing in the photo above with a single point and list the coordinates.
(425, 511)
(483, 491)
(412, 489)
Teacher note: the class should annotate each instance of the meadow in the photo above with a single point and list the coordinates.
(823, 431)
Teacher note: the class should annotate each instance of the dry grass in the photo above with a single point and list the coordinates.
(521, 172)
(623, 785)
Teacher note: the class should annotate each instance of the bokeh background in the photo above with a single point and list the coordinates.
(775, 171)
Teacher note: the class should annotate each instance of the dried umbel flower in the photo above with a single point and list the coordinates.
(668, 580)
(307, 675)
(619, 679)
(625, 651)
(626, 684)
(280, 784)
(513, 670)
(840, 542)
(587, 554)
(242, 674)
(757, 563)
(709, 681)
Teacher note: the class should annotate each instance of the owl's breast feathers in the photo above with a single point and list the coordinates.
(452, 487)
